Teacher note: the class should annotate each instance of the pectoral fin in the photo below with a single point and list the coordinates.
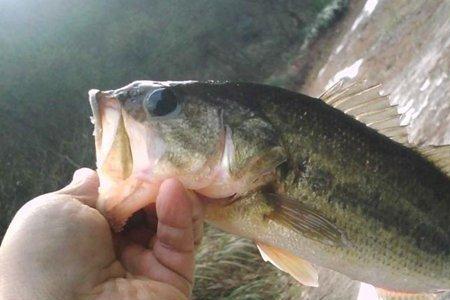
(307, 221)
(303, 271)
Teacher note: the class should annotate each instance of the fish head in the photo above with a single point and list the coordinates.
(200, 133)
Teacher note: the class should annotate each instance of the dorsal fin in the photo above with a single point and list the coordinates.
(439, 155)
(366, 104)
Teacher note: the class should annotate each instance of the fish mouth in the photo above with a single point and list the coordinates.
(112, 144)
(122, 192)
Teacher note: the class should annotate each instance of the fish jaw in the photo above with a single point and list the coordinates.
(125, 174)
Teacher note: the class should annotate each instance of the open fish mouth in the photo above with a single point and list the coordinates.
(110, 135)
(124, 186)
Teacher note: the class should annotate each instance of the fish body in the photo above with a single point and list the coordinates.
(392, 204)
(292, 172)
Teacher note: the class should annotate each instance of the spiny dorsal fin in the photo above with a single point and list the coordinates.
(439, 155)
(303, 271)
(366, 104)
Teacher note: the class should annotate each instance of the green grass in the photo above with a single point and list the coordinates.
(230, 267)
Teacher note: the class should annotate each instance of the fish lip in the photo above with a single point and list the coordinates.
(97, 100)
(96, 118)
(95, 96)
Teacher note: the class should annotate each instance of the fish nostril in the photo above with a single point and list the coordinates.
(122, 96)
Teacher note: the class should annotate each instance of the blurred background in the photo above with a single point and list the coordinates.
(53, 51)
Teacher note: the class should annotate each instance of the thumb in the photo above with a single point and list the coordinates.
(83, 187)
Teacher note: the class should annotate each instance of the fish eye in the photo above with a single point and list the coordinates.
(162, 103)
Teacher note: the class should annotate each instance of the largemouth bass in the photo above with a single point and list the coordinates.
(329, 181)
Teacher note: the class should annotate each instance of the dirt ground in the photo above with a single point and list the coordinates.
(405, 45)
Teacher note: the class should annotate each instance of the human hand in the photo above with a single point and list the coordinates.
(59, 247)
